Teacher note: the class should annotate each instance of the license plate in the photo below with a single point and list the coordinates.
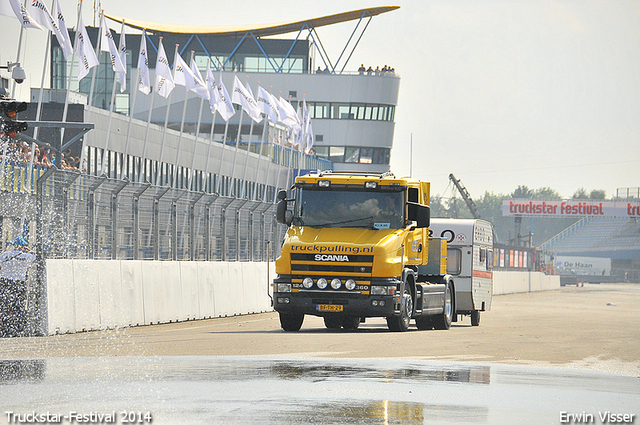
(329, 307)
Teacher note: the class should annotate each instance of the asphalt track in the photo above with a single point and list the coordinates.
(565, 356)
(594, 327)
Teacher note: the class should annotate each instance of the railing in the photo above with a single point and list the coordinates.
(86, 217)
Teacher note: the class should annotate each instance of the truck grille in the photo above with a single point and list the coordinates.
(331, 265)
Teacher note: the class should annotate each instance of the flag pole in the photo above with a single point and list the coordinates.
(146, 134)
(195, 145)
(184, 114)
(166, 121)
(235, 155)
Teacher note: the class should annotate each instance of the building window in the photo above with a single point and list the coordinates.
(336, 153)
(352, 155)
(293, 94)
(319, 137)
(351, 111)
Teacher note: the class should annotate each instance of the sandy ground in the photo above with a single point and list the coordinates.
(595, 327)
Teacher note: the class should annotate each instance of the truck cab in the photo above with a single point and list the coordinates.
(357, 246)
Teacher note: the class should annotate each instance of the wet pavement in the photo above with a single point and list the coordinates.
(281, 390)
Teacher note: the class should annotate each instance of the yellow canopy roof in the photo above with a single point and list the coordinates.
(257, 30)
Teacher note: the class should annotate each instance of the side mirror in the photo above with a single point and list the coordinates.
(282, 195)
(420, 214)
(283, 216)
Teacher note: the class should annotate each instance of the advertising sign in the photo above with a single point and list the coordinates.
(583, 266)
(576, 208)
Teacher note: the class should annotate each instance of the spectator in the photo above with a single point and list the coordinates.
(361, 70)
(369, 71)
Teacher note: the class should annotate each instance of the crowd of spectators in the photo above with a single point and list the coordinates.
(19, 153)
(386, 70)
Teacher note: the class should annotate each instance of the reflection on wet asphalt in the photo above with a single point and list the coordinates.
(266, 390)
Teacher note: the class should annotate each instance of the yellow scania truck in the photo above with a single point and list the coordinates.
(358, 246)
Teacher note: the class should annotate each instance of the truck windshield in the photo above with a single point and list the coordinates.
(348, 208)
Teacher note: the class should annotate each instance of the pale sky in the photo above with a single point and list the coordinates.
(501, 93)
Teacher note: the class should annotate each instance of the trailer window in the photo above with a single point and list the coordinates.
(490, 259)
(454, 263)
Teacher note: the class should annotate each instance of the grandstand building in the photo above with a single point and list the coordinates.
(614, 238)
(352, 112)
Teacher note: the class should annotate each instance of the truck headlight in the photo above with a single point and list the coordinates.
(284, 287)
(307, 282)
(350, 284)
(322, 283)
(383, 290)
(336, 283)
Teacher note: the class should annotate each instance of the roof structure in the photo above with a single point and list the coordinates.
(257, 30)
(617, 238)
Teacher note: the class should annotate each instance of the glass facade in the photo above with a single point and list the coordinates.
(351, 111)
(351, 154)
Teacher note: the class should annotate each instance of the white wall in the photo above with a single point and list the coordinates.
(91, 294)
(87, 295)
(510, 282)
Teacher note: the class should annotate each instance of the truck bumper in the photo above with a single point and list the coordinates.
(310, 303)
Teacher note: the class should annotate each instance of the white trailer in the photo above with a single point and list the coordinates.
(469, 261)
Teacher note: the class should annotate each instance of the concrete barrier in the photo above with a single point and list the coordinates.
(94, 294)
(97, 294)
(511, 282)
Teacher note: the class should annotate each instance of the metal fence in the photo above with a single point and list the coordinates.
(86, 217)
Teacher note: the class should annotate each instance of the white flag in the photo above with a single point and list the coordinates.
(201, 88)
(310, 138)
(212, 87)
(14, 9)
(67, 47)
(123, 58)
(287, 113)
(40, 13)
(268, 105)
(164, 79)
(184, 76)
(108, 45)
(144, 83)
(242, 97)
(87, 58)
(307, 128)
(225, 107)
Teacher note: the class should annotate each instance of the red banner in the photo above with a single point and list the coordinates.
(596, 208)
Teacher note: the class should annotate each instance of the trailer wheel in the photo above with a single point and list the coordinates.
(350, 323)
(332, 322)
(443, 320)
(475, 318)
(401, 323)
(291, 322)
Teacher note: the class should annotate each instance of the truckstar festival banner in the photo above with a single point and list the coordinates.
(577, 208)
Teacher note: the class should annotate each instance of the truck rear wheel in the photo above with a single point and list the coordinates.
(475, 318)
(442, 321)
(401, 323)
(291, 322)
(424, 323)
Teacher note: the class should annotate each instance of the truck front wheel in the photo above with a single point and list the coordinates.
(401, 323)
(291, 322)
